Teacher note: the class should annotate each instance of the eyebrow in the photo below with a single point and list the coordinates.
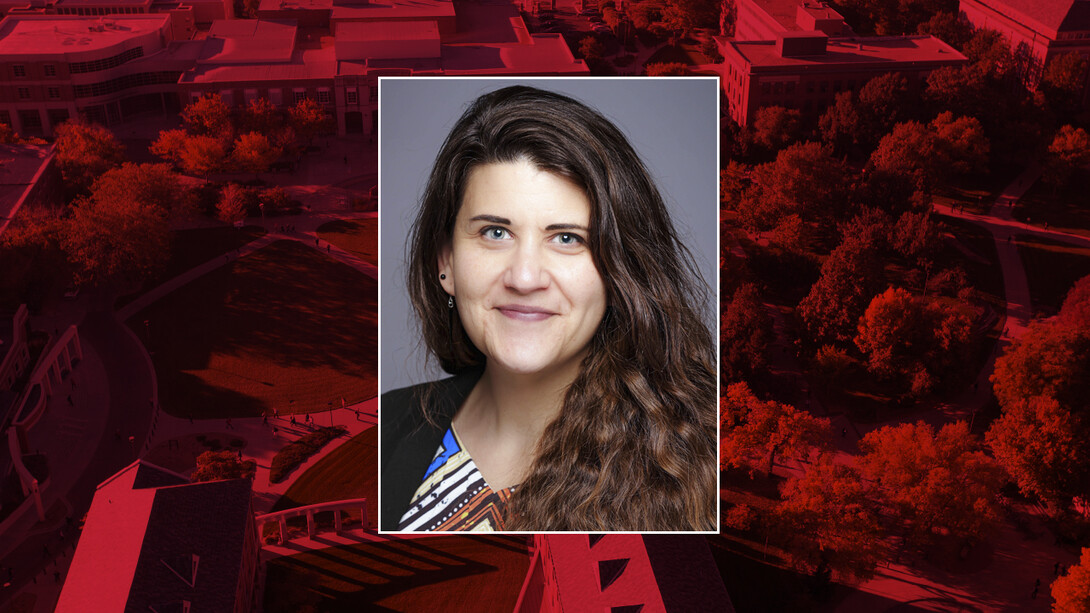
(550, 228)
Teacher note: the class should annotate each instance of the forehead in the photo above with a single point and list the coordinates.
(520, 191)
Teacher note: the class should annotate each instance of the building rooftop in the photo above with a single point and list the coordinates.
(248, 41)
(855, 50)
(79, 3)
(366, 31)
(543, 54)
(151, 539)
(1047, 16)
(303, 64)
(785, 12)
(386, 10)
(22, 35)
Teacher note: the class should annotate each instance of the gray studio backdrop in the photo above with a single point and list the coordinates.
(672, 123)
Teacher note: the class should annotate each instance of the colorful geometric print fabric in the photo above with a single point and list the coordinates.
(454, 496)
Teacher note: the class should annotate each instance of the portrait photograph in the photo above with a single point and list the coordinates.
(547, 304)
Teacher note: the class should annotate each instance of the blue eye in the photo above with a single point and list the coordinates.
(567, 238)
(495, 233)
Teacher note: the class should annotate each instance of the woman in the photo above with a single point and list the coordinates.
(549, 280)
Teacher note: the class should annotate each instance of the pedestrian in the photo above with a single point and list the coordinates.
(229, 426)
(327, 247)
(1046, 225)
(346, 160)
(239, 455)
(315, 241)
(264, 419)
(276, 413)
(275, 431)
(1008, 238)
(57, 576)
(1056, 570)
(70, 400)
(293, 420)
(357, 414)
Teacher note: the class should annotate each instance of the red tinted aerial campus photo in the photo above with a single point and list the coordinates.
(189, 208)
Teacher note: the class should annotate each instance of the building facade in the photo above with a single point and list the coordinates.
(1037, 31)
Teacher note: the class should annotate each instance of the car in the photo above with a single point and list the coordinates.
(601, 28)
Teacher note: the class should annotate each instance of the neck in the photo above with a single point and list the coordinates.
(516, 406)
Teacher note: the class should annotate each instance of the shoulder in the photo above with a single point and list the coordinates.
(442, 398)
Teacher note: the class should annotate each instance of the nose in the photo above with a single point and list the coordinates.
(526, 269)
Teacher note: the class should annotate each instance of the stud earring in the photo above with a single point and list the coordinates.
(442, 277)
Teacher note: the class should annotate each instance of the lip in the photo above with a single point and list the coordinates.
(522, 312)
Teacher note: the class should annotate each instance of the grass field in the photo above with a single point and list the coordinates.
(285, 327)
(191, 248)
(443, 573)
(1052, 267)
(1065, 211)
(357, 236)
(349, 471)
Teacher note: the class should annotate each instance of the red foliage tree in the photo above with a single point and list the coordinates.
(754, 431)
(829, 519)
(938, 481)
(744, 333)
(1071, 592)
(84, 151)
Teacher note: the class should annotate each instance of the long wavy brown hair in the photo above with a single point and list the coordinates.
(633, 447)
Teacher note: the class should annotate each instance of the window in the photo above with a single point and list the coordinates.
(298, 95)
(19, 70)
(31, 119)
(824, 86)
(809, 87)
(110, 62)
(766, 88)
(54, 92)
(50, 70)
(276, 96)
(777, 87)
(24, 93)
(790, 87)
(323, 95)
(351, 96)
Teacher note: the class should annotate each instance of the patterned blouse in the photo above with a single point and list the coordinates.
(454, 495)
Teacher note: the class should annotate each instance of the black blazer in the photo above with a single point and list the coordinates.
(409, 442)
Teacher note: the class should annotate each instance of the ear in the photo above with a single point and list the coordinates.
(446, 269)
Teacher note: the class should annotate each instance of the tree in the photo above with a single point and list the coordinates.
(1063, 83)
(84, 151)
(774, 127)
(203, 155)
(947, 27)
(961, 142)
(169, 145)
(1075, 310)
(744, 333)
(937, 480)
(850, 277)
(915, 341)
(1072, 591)
(804, 179)
(687, 15)
(883, 102)
(153, 184)
(1069, 151)
(931, 153)
(7, 135)
(1044, 447)
(219, 465)
(645, 13)
(254, 153)
(308, 119)
(210, 116)
(232, 204)
(33, 262)
(666, 69)
(915, 237)
(754, 431)
(1048, 360)
(123, 241)
(828, 519)
(733, 180)
(591, 48)
(261, 116)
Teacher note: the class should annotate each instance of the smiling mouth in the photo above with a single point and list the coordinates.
(524, 313)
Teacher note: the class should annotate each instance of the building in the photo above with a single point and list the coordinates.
(55, 67)
(284, 60)
(806, 70)
(766, 19)
(622, 573)
(152, 541)
(1038, 31)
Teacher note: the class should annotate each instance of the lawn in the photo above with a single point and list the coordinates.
(1052, 267)
(285, 327)
(357, 236)
(442, 573)
(191, 248)
(349, 471)
(1066, 211)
